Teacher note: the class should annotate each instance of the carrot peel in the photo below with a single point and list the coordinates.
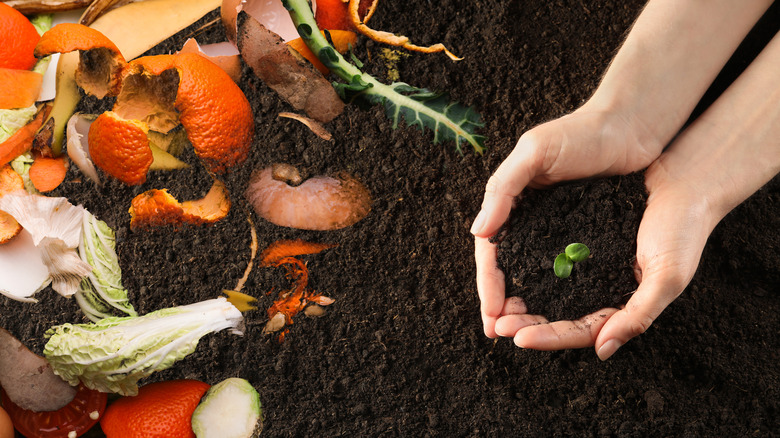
(387, 37)
(282, 249)
(21, 141)
(47, 174)
(298, 296)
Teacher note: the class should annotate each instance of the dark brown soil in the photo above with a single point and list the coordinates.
(401, 352)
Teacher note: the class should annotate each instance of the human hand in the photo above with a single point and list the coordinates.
(586, 143)
(721, 159)
(671, 238)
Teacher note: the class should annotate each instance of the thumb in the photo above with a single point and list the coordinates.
(652, 296)
(511, 177)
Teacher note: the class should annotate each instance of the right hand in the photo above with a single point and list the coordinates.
(585, 143)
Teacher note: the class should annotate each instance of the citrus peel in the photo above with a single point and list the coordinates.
(159, 18)
(120, 147)
(19, 38)
(10, 181)
(157, 93)
(158, 208)
(100, 61)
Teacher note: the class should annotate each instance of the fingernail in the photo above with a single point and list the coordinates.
(479, 222)
(608, 349)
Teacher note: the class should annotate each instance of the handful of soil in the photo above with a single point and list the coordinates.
(604, 214)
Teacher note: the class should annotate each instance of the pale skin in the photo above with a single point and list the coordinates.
(694, 178)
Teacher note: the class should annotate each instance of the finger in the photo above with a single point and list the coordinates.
(561, 335)
(514, 306)
(508, 325)
(490, 283)
(511, 177)
(650, 299)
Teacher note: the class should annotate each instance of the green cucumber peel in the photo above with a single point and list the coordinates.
(419, 107)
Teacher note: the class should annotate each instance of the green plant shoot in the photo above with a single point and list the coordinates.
(418, 107)
(564, 262)
(577, 252)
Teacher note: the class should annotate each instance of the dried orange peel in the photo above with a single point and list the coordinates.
(155, 208)
(387, 37)
(10, 181)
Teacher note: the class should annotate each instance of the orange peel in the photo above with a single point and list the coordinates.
(214, 112)
(120, 147)
(100, 61)
(10, 181)
(155, 208)
(156, 93)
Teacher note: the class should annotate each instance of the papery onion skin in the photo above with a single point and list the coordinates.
(321, 203)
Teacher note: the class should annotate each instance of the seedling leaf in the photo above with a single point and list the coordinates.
(563, 265)
(577, 252)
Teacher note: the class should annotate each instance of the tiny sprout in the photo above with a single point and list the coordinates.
(576, 252)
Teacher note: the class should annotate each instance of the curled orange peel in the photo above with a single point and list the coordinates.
(157, 207)
(100, 61)
(121, 147)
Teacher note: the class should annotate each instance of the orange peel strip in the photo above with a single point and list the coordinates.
(284, 249)
(391, 38)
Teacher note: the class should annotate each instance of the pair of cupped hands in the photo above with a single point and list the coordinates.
(693, 179)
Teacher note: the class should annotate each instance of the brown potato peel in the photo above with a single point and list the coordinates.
(286, 72)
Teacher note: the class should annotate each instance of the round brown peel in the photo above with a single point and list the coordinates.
(320, 203)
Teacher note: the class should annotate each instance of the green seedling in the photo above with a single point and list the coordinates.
(575, 252)
(417, 106)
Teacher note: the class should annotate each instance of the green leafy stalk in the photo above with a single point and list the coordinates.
(101, 294)
(418, 107)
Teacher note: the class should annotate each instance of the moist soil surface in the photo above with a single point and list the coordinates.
(401, 352)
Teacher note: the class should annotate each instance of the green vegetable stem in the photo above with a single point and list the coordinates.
(419, 107)
(564, 262)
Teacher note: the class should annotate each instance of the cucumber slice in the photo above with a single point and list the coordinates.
(229, 409)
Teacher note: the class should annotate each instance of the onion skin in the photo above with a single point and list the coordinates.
(321, 203)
